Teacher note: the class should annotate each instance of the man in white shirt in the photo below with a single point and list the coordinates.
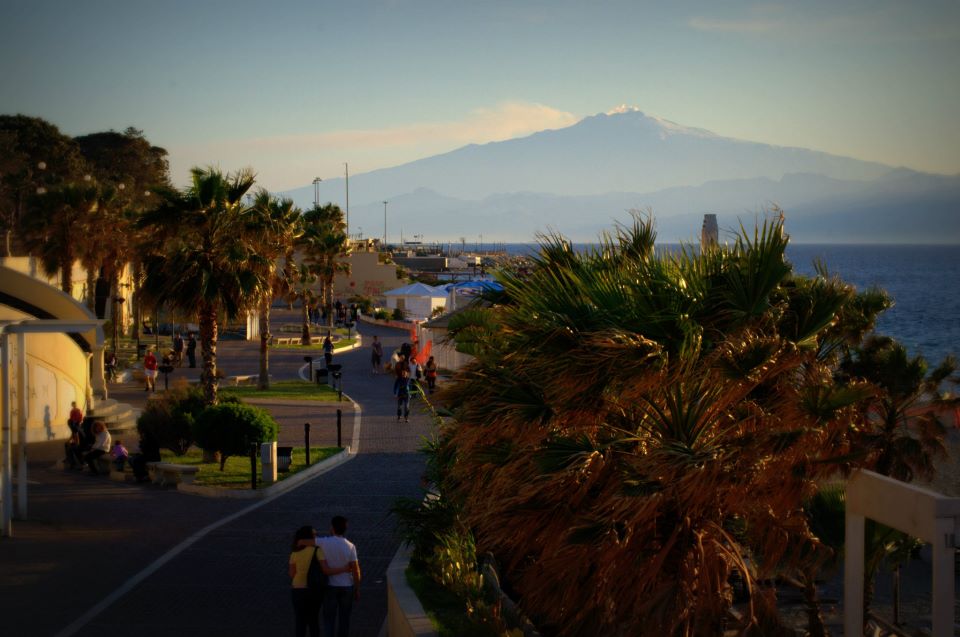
(101, 445)
(343, 588)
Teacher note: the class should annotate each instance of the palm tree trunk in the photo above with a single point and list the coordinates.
(91, 287)
(208, 351)
(328, 298)
(136, 308)
(305, 333)
(66, 273)
(264, 382)
(815, 625)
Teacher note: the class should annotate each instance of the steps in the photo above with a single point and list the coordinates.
(121, 418)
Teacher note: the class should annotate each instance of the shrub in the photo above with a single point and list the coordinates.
(381, 315)
(397, 314)
(365, 303)
(230, 428)
(167, 420)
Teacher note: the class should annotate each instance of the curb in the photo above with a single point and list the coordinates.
(405, 614)
(281, 487)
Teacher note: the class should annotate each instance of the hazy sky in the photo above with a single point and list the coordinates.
(295, 88)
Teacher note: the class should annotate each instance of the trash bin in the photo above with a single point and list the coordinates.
(284, 459)
(321, 376)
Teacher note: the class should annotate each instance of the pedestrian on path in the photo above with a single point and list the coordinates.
(178, 349)
(376, 354)
(150, 370)
(328, 350)
(343, 589)
(192, 350)
(431, 373)
(307, 599)
(403, 399)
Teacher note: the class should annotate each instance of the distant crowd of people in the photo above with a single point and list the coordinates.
(318, 315)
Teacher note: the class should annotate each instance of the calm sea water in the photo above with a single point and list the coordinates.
(924, 282)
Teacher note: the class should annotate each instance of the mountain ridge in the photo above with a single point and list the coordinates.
(579, 178)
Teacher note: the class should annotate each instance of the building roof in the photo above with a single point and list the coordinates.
(39, 300)
(417, 289)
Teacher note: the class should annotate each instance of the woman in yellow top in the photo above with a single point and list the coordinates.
(306, 602)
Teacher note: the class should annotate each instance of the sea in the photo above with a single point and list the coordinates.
(923, 280)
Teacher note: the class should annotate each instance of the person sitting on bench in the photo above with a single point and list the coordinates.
(101, 446)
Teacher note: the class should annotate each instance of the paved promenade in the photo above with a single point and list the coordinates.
(97, 557)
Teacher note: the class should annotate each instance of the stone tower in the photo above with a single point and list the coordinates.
(710, 234)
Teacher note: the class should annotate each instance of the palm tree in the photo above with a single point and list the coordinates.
(906, 408)
(639, 426)
(325, 244)
(277, 225)
(53, 232)
(203, 257)
(303, 277)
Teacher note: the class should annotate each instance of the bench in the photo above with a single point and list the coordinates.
(164, 473)
(284, 340)
(244, 378)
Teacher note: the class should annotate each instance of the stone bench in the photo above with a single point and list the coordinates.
(242, 379)
(164, 473)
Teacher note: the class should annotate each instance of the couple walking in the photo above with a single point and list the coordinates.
(336, 557)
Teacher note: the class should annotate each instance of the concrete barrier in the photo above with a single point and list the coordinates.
(405, 614)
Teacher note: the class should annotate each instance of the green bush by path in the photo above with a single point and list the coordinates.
(230, 428)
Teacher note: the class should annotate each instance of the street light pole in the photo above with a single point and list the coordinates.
(346, 173)
(384, 225)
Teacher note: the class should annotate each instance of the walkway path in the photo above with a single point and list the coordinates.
(87, 538)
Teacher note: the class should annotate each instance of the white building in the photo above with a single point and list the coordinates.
(417, 301)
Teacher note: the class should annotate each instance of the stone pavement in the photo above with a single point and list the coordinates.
(87, 539)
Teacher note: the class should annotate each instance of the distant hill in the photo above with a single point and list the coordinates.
(580, 178)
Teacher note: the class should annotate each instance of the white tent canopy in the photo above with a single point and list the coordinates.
(416, 300)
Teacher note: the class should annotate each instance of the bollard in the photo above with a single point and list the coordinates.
(338, 378)
(268, 462)
(306, 440)
(309, 360)
(339, 417)
(253, 466)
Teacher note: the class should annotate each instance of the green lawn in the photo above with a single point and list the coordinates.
(343, 342)
(287, 389)
(236, 473)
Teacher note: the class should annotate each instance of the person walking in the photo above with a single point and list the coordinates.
(403, 399)
(430, 371)
(343, 589)
(306, 599)
(328, 350)
(376, 354)
(192, 350)
(150, 370)
(178, 349)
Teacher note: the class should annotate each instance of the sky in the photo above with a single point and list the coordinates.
(297, 88)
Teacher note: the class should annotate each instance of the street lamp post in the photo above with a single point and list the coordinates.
(384, 225)
(346, 174)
